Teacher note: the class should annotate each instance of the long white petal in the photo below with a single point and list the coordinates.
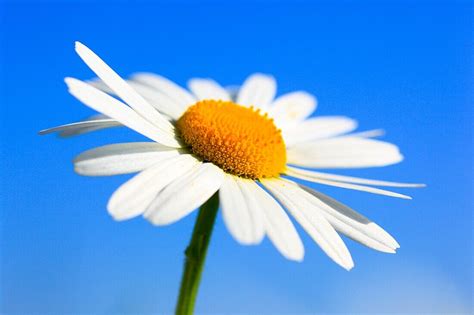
(161, 102)
(93, 123)
(134, 197)
(242, 214)
(121, 158)
(185, 194)
(310, 175)
(122, 89)
(208, 89)
(317, 128)
(368, 189)
(292, 108)
(117, 110)
(311, 219)
(258, 90)
(351, 223)
(278, 226)
(166, 86)
(99, 84)
(344, 152)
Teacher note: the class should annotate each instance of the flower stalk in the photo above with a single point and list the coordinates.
(195, 256)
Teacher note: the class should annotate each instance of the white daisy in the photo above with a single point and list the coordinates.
(207, 140)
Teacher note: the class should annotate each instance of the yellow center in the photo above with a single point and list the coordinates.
(238, 139)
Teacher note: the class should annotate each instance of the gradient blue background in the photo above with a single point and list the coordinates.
(403, 66)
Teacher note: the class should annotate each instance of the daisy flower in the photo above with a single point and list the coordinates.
(246, 145)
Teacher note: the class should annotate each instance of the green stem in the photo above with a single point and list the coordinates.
(196, 255)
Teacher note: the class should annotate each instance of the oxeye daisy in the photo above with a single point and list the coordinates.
(238, 149)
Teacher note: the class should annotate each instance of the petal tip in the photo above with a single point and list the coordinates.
(348, 266)
(70, 81)
(78, 46)
(116, 216)
(156, 219)
(150, 218)
(296, 257)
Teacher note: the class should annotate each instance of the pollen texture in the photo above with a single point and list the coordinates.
(238, 139)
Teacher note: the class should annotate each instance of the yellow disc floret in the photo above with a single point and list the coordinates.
(238, 139)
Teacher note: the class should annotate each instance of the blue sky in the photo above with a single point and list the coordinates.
(404, 66)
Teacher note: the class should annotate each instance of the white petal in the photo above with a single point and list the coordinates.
(185, 194)
(117, 110)
(121, 158)
(292, 108)
(368, 189)
(317, 128)
(279, 228)
(311, 219)
(92, 123)
(208, 89)
(310, 175)
(351, 223)
(122, 89)
(167, 87)
(254, 209)
(134, 197)
(157, 99)
(242, 214)
(99, 84)
(344, 152)
(258, 91)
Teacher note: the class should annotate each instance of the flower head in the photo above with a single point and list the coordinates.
(238, 139)
(205, 140)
